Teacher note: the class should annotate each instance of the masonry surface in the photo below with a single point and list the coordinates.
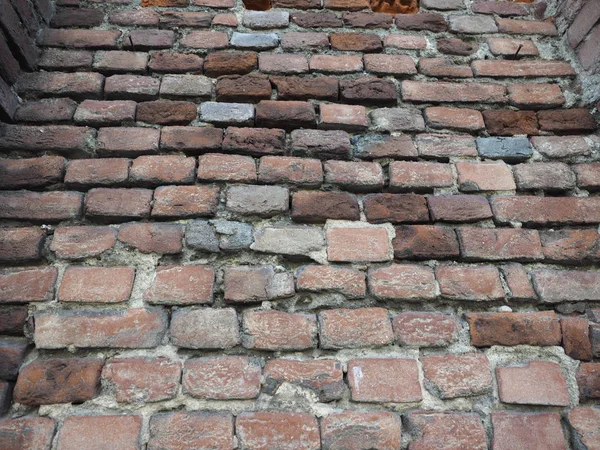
(312, 227)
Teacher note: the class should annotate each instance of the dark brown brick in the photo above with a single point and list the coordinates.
(395, 208)
(316, 207)
(21, 244)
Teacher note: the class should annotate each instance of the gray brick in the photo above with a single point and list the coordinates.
(263, 20)
(397, 119)
(200, 235)
(227, 113)
(506, 148)
(263, 201)
(257, 41)
(233, 235)
(473, 24)
(186, 86)
(292, 241)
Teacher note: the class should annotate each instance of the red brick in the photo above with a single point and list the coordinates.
(256, 283)
(83, 173)
(384, 146)
(346, 5)
(419, 176)
(459, 208)
(363, 244)
(149, 39)
(202, 430)
(509, 46)
(96, 284)
(65, 60)
(355, 176)
(131, 87)
(166, 112)
(120, 62)
(264, 201)
(440, 146)
(384, 380)
(509, 329)
(191, 139)
(142, 17)
(118, 204)
(336, 64)
(243, 88)
(164, 169)
(405, 42)
(303, 88)
(304, 41)
(536, 96)
(267, 430)
(324, 377)
(561, 146)
(461, 375)
(425, 242)
(478, 283)
(450, 429)
(40, 206)
(168, 62)
(588, 176)
(27, 285)
(425, 329)
(59, 138)
(128, 142)
(80, 431)
(34, 433)
(321, 144)
(571, 245)
(164, 238)
(546, 210)
(185, 201)
(317, 207)
(354, 328)
(82, 241)
(232, 168)
(402, 282)
(6, 389)
(12, 320)
(287, 115)
(21, 244)
(139, 380)
(566, 120)
(316, 19)
(454, 46)
(395, 208)
(72, 380)
(517, 430)
(484, 176)
(518, 282)
(254, 141)
(547, 176)
(491, 244)
(205, 328)
(208, 40)
(46, 110)
(515, 26)
(100, 113)
(355, 42)
(576, 338)
(229, 63)
(12, 354)
(423, 21)
(588, 380)
(343, 117)
(222, 377)
(368, 20)
(390, 65)
(31, 172)
(348, 282)
(190, 19)
(181, 285)
(276, 330)
(47, 84)
(368, 91)
(454, 118)
(584, 421)
(500, 8)
(283, 63)
(352, 430)
(555, 286)
(510, 123)
(134, 328)
(536, 383)
(442, 68)
(290, 170)
(423, 91)
(523, 68)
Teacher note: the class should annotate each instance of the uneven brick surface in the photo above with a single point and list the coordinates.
(294, 224)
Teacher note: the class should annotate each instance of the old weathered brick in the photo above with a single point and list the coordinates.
(354, 328)
(303, 88)
(459, 208)
(126, 141)
(243, 88)
(588, 380)
(188, 87)
(362, 244)
(343, 117)
(254, 141)
(368, 91)
(286, 115)
(181, 285)
(316, 19)
(442, 67)
(221, 167)
(164, 169)
(12, 355)
(40, 206)
(324, 377)
(246, 284)
(64, 380)
(316, 206)
(385, 380)
(584, 421)
(29, 433)
(354, 176)
(545, 210)
(118, 204)
(282, 63)
(500, 8)
(168, 62)
(276, 330)
(352, 430)
(424, 21)
(120, 62)
(478, 283)
(21, 244)
(491, 244)
(518, 282)
(509, 123)
(419, 176)
(533, 328)
(509, 46)
(356, 42)
(538, 96)
(286, 169)
(202, 430)
(484, 176)
(321, 143)
(134, 328)
(12, 320)
(460, 375)
(222, 377)
(402, 282)
(78, 431)
(229, 63)
(440, 146)
(185, 201)
(566, 120)
(454, 118)
(84, 173)
(166, 112)
(421, 91)
(96, 284)
(131, 87)
(425, 242)
(453, 429)
(100, 113)
(390, 64)
(295, 241)
(336, 64)
(527, 431)
(395, 208)
(397, 119)
(263, 201)
(571, 245)
(472, 24)
(142, 17)
(265, 430)
(375, 146)
(349, 282)
(191, 139)
(576, 338)
(516, 26)
(588, 175)
(522, 68)
(165, 238)
(149, 39)
(425, 329)
(304, 41)
(405, 42)
(205, 328)
(46, 110)
(136, 380)
(455, 46)
(566, 285)
(27, 285)
(31, 172)
(536, 383)
(47, 84)
(254, 41)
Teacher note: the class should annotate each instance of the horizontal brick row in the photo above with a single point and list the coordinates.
(349, 429)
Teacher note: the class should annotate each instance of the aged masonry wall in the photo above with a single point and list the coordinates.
(310, 227)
